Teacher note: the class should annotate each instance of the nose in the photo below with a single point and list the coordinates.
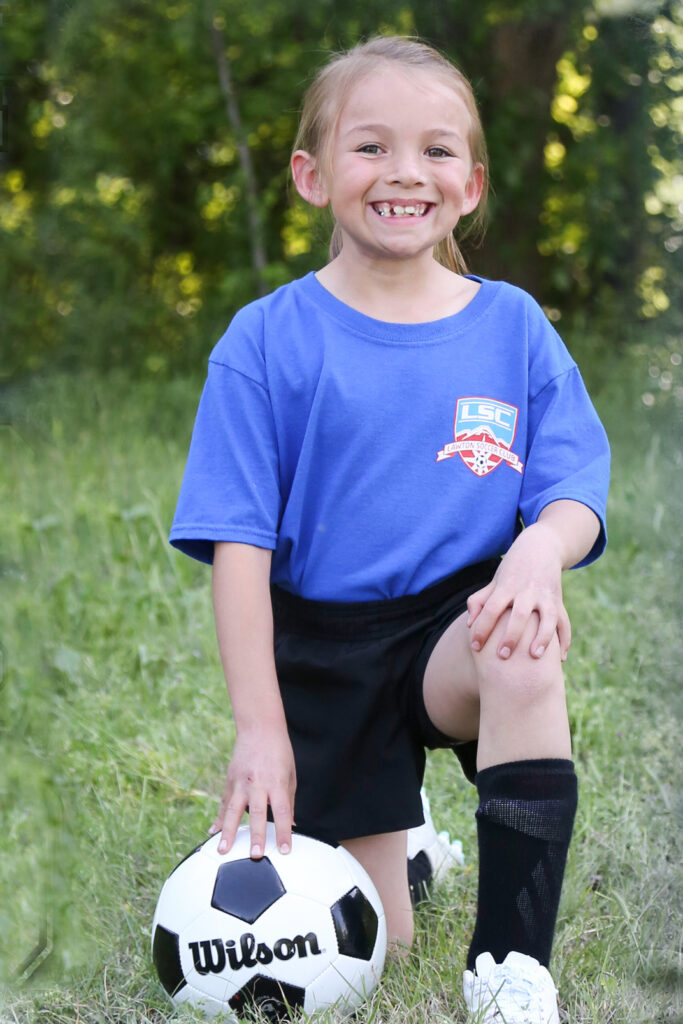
(406, 169)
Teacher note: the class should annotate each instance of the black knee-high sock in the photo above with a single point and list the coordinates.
(524, 825)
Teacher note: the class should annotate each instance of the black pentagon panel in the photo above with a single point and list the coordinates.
(275, 999)
(245, 888)
(356, 924)
(166, 957)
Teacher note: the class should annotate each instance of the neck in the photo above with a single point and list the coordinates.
(397, 291)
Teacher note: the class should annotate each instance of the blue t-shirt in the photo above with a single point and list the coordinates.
(376, 458)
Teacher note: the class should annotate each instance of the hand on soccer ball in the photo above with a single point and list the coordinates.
(261, 773)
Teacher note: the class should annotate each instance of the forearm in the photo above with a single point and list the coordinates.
(574, 528)
(262, 772)
(244, 625)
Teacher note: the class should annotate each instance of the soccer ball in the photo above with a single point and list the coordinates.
(300, 931)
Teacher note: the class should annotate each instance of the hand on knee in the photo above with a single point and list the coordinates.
(517, 675)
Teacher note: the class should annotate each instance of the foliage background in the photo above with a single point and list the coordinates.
(124, 209)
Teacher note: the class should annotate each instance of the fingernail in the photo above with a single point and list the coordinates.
(256, 850)
(223, 846)
(284, 847)
(504, 652)
(476, 646)
(540, 651)
(213, 830)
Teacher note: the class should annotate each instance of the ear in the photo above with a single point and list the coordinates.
(307, 180)
(473, 189)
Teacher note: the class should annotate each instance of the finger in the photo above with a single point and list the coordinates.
(486, 620)
(217, 824)
(281, 807)
(258, 817)
(547, 627)
(476, 601)
(564, 633)
(232, 816)
(514, 629)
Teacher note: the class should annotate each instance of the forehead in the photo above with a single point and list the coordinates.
(393, 95)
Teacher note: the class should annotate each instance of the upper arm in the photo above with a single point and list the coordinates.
(568, 455)
(243, 568)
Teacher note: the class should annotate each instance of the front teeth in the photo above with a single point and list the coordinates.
(387, 210)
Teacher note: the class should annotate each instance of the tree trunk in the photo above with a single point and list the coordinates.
(255, 220)
(522, 75)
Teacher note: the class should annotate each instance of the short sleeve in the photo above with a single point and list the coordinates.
(230, 489)
(568, 454)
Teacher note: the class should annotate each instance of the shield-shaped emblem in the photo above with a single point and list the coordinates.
(484, 430)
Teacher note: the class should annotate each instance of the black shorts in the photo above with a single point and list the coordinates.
(351, 677)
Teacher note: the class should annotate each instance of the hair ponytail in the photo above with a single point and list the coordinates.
(335, 242)
(447, 253)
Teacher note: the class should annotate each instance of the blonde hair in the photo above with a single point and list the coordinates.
(326, 96)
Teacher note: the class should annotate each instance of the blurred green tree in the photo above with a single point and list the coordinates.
(138, 209)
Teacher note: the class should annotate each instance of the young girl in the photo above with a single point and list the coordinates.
(370, 441)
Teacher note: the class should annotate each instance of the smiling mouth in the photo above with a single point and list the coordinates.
(397, 210)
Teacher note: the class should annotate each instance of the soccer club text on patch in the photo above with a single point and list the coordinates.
(484, 430)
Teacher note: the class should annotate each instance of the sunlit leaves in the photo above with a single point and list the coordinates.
(121, 161)
(296, 233)
(554, 153)
(651, 289)
(613, 213)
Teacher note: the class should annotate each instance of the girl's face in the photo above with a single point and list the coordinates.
(402, 173)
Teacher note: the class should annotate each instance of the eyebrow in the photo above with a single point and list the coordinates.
(440, 132)
(365, 128)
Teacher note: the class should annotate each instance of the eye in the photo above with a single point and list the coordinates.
(370, 148)
(438, 151)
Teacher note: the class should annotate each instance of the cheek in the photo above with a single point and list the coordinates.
(460, 188)
(350, 183)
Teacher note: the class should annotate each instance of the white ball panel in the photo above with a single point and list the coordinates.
(313, 869)
(188, 888)
(185, 995)
(379, 955)
(345, 984)
(239, 849)
(291, 919)
(209, 1007)
(213, 987)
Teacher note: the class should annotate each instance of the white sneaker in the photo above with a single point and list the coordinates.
(442, 853)
(518, 991)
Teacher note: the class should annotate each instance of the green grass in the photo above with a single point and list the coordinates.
(116, 735)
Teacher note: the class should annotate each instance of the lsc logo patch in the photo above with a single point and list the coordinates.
(484, 430)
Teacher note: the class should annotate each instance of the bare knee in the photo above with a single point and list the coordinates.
(519, 679)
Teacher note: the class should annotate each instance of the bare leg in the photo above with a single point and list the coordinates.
(384, 857)
(516, 707)
(526, 782)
